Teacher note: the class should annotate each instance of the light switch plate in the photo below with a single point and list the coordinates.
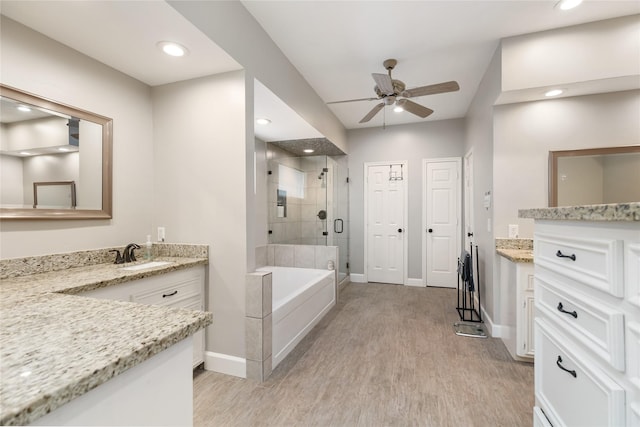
(513, 231)
(160, 234)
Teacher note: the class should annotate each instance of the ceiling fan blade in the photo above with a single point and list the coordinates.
(451, 86)
(414, 108)
(352, 100)
(384, 83)
(372, 113)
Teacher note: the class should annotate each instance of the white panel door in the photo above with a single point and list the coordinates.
(385, 226)
(443, 222)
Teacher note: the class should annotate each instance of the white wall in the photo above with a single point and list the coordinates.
(599, 50)
(412, 142)
(235, 30)
(526, 132)
(37, 64)
(201, 186)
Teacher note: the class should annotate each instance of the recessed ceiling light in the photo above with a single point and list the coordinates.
(173, 48)
(308, 150)
(262, 121)
(568, 4)
(24, 108)
(398, 109)
(554, 92)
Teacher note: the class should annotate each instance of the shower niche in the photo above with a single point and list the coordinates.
(308, 199)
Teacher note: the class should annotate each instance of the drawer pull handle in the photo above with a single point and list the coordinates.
(559, 361)
(570, 313)
(169, 295)
(559, 254)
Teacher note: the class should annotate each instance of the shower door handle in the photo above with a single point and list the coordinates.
(335, 226)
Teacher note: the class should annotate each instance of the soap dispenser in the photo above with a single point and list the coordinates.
(148, 248)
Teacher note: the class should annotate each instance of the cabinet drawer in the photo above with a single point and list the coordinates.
(594, 262)
(170, 294)
(539, 420)
(599, 327)
(571, 389)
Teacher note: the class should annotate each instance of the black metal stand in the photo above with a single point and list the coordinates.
(467, 289)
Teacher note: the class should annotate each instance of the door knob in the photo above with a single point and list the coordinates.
(430, 230)
(399, 230)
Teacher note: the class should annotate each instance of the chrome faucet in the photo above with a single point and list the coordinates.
(128, 254)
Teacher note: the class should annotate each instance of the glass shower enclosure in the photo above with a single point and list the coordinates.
(309, 202)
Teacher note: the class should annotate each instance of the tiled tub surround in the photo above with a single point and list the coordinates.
(258, 325)
(301, 256)
(516, 250)
(259, 303)
(56, 346)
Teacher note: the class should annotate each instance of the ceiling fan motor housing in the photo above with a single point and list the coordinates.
(398, 88)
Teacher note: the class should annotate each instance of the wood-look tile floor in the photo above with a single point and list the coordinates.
(384, 356)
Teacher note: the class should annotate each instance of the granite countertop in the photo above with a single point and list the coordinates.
(516, 255)
(56, 346)
(610, 212)
(514, 249)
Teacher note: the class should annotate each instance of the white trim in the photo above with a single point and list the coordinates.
(405, 167)
(458, 161)
(357, 278)
(225, 364)
(494, 330)
(416, 282)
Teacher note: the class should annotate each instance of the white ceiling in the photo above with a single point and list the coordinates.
(124, 34)
(336, 47)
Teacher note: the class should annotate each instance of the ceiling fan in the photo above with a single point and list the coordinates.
(391, 91)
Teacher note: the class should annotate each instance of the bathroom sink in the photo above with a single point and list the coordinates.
(150, 264)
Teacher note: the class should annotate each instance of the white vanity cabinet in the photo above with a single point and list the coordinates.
(516, 287)
(587, 323)
(179, 289)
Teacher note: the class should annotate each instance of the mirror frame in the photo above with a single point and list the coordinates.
(553, 164)
(107, 161)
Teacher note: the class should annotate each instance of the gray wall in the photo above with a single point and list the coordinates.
(37, 64)
(479, 138)
(201, 186)
(413, 143)
(526, 132)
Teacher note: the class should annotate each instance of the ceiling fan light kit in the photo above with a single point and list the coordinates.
(394, 92)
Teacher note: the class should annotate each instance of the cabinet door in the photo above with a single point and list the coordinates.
(525, 327)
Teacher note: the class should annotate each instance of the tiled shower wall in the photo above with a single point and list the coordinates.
(301, 225)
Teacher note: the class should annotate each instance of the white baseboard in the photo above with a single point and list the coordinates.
(357, 278)
(225, 364)
(415, 282)
(494, 330)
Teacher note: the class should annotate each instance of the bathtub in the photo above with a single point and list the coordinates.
(300, 298)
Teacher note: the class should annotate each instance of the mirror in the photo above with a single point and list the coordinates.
(594, 176)
(55, 160)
